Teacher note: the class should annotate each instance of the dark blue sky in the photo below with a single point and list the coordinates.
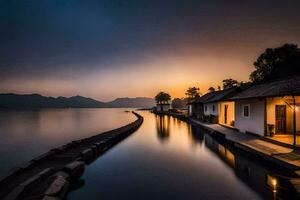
(111, 48)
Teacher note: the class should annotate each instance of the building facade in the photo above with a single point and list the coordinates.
(216, 108)
(249, 116)
(227, 113)
(270, 109)
(163, 107)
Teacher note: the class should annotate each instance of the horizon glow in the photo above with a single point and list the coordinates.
(106, 50)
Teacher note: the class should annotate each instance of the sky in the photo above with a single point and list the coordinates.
(106, 49)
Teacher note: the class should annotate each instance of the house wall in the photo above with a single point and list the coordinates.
(162, 107)
(191, 109)
(197, 110)
(210, 110)
(230, 113)
(271, 104)
(255, 122)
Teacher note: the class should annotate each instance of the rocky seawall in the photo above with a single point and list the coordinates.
(49, 176)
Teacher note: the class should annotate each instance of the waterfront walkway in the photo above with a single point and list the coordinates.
(288, 157)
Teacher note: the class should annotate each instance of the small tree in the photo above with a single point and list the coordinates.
(162, 97)
(211, 89)
(192, 93)
(229, 83)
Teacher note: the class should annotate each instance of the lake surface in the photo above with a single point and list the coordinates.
(26, 134)
(170, 159)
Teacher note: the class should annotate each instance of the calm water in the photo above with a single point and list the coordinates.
(29, 133)
(169, 159)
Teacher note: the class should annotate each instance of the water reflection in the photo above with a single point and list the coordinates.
(191, 165)
(272, 183)
(29, 133)
(196, 139)
(224, 153)
(268, 181)
(162, 127)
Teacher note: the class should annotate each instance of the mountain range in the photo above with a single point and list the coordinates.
(10, 100)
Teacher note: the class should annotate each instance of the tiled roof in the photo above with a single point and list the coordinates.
(204, 98)
(216, 96)
(282, 87)
(222, 95)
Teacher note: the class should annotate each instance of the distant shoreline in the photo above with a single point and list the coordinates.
(37, 101)
(53, 108)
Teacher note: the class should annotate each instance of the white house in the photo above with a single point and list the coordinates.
(270, 109)
(214, 109)
(220, 107)
(249, 115)
(163, 107)
(196, 107)
(211, 108)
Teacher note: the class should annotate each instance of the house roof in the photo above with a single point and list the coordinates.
(204, 98)
(281, 87)
(216, 96)
(222, 95)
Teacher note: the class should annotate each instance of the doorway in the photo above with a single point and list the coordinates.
(225, 113)
(280, 119)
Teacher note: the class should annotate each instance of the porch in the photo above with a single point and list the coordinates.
(283, 119)
(285, 139)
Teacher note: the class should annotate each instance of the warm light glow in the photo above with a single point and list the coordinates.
(272, 182)
(227, 155)
(105, 51)
(295, 107)
(173, 74)
(290, 101)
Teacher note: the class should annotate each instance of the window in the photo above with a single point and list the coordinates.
(213, 108)
(205, 108)
(246, 110)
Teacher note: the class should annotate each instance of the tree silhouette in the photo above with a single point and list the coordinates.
(211, 89)
(229, 83)
(192, 93)
(162, 97)
(276, 63)
(179, 103)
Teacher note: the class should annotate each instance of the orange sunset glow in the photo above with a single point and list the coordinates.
(136, 55)
(149, 99)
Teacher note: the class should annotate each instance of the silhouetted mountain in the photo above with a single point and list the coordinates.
(138, 102)
(39, 101)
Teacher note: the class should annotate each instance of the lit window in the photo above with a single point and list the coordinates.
(246, 110)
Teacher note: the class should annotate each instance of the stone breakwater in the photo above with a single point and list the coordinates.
(49, 176)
